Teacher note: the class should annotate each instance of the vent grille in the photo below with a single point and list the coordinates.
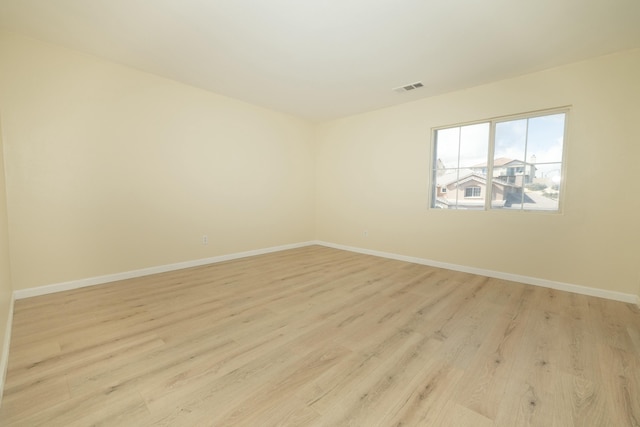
(409, 87)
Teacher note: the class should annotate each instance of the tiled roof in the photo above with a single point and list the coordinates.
(451, 177)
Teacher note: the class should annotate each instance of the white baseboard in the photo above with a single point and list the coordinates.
(75, 284)
(92, 281)
(577, 289)
(4, 357)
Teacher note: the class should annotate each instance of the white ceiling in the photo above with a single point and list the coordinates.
(325, 59)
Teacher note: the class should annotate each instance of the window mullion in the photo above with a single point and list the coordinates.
(458, 167)
(488, 196)
(524, 161)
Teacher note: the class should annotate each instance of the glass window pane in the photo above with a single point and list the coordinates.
(527, 152)
(447, 146)
(461, 158)
(446, 189)
(545, 139)
(542, 193)
(474, 145)
(511, 138)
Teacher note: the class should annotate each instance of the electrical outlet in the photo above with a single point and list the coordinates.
(205, 239)
(365, 233)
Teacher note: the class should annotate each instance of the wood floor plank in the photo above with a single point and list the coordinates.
(346, 403)
(621, 380)
(426, 402)
(37, 396)
(259, 405)
(316, 336)
(532, 388)
(455, 415)
(585, 401)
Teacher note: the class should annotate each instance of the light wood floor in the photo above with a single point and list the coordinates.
(322, 337)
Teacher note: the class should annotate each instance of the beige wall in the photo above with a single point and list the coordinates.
(5, 268)
(373, 174)
(111, 170)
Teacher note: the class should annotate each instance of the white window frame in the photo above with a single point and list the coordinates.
(490, 158)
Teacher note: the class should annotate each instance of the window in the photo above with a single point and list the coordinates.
(513, 163)
(472, 192)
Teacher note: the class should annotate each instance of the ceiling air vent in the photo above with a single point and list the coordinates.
(409, 87)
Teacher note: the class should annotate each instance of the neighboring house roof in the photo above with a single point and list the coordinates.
(474, 177)
(465, 176)
(451, 177)
(501, 161)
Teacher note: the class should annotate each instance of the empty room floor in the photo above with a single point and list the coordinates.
(322, 337)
